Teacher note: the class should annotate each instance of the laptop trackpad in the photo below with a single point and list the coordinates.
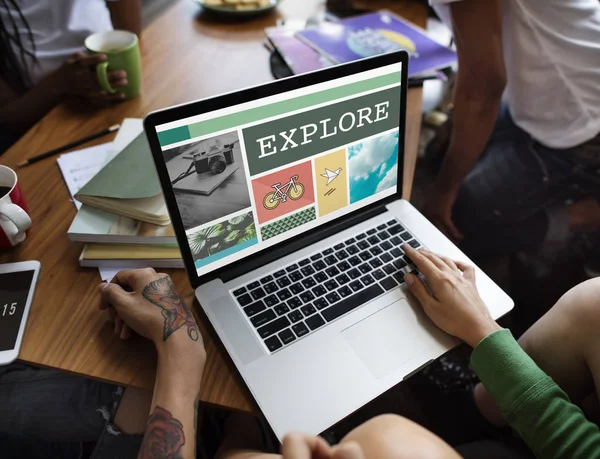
(387, 339)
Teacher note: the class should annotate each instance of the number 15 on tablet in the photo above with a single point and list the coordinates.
(11, 311)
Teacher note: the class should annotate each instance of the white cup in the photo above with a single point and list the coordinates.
(14, 220)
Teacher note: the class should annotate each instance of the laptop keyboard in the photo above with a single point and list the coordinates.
(302, 297)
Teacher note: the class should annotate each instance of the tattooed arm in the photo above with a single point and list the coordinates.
(171, 429)
(148, 303)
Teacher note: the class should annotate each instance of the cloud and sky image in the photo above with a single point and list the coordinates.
(373, 166)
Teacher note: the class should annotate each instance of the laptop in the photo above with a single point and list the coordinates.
(286, 203)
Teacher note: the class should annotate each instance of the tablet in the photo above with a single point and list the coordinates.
(17, 284)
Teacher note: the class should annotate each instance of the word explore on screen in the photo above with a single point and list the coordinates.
(303, 135)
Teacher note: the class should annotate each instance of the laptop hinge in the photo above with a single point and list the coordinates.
(299, 242)
(414, 372)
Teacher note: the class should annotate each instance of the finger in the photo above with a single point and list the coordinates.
(125, 331)
(117, 79)
(435, 259)
(294, 447)
(349, 450)
(301, 446)
(119, 83)
(453, 230)
(442, 262)
(418, 288)
(423, 264)
(131, 277)
(467, 269)
(127, 278)
(103, 304)
(88, 60)
(114, 295)
(451, 264)
(117, 75)
(75, 57)
(322, 449)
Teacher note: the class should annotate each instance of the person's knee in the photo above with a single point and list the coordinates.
(576, 316)
(393, 437)
(584, 303)
(564, 342)
(576, 313)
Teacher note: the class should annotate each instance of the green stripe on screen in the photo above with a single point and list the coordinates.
(178, 134)
(278, 108)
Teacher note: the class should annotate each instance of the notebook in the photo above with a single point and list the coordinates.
(78, 167)
(130, 256)
(95, 225)
(377, 33)
(298, 56)
(128, 186)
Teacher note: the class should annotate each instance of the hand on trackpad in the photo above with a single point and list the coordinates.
(387, 339)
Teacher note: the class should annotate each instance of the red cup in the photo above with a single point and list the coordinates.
(14, 220)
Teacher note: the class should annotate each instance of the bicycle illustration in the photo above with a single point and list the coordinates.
(291, 189)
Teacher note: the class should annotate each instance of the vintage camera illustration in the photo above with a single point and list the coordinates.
(214, 160)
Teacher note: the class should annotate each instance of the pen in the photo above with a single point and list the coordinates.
(70, 145)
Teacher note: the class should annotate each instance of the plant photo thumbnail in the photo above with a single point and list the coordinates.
(231, 235)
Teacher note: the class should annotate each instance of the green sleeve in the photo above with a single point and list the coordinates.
(532, 402)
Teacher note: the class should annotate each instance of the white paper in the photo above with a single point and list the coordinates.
(78, 167)
(107, 274)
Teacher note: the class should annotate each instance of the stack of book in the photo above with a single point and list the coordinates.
(357, 37)
(123, 219)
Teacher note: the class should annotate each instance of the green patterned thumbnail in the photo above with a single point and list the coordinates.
(288, 223)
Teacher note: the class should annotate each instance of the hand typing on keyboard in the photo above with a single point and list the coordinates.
(301, 298)
(450, 297)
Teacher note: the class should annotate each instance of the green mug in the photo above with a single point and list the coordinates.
(123, 53)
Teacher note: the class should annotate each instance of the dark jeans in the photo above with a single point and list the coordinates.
(48, 414)
(51, 414)
(503, 205)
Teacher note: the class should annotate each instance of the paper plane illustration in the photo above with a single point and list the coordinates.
(331, 175)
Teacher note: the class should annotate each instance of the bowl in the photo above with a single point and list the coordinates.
(238, 7)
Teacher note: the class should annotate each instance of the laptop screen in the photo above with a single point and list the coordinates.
(253, 175)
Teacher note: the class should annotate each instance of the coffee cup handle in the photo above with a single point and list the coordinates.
(102, 75)
(18, 219)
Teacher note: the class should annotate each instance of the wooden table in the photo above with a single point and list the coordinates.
(186, 56)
